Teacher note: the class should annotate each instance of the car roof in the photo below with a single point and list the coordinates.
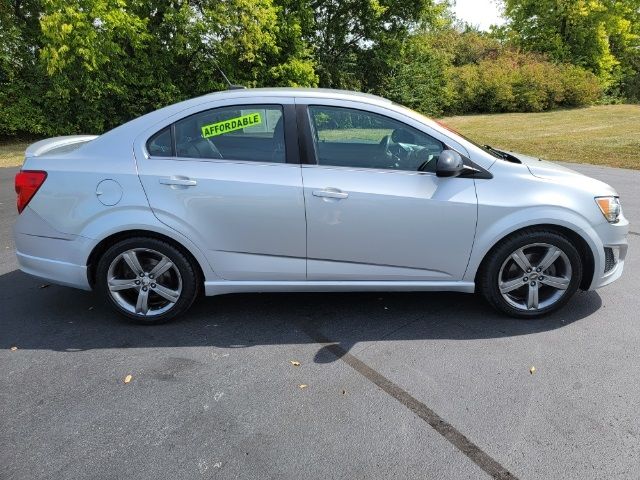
(297, 92)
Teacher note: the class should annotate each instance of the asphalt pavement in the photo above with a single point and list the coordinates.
(403, 385)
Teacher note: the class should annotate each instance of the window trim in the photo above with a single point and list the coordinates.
(305, 138)
(174, 146)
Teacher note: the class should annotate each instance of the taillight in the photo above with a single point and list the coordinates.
(27, 184)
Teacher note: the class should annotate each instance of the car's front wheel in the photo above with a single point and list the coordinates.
(146, 280)
(531, 273)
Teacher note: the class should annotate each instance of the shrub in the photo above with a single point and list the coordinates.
(519, 82)
(580, 86)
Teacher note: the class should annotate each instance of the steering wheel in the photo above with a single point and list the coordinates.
(399, 155)
(388, 154)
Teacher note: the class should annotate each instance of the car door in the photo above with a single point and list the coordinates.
(375, 208)
(228, 177)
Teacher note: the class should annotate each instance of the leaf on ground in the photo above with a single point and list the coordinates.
(128, 378)
(295, 363)
(302, 386)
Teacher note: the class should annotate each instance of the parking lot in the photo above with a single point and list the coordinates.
(402, 385)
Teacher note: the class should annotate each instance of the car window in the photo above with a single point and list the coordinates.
(249, 132)
(160, 144)
(348, 137)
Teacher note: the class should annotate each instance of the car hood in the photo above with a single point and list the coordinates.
(544, 169)
(563, 175)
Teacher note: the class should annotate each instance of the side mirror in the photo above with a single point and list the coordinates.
(449, 164)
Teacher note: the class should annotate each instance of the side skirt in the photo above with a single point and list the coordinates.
(223, 287)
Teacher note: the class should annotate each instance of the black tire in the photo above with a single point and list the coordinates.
(188, 278)
(488, 274)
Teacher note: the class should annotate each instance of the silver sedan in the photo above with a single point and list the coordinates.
(308, 190)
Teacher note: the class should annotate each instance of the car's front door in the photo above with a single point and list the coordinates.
(228, 178)
(375, 208)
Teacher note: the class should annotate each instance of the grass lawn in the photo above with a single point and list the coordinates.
(12, 153)
(603, 135)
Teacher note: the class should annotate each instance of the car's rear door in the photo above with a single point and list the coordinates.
(371, 214)
(228, 177)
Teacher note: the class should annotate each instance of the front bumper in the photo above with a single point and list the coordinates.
(614, 237)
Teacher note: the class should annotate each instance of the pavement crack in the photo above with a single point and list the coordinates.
(483, 460)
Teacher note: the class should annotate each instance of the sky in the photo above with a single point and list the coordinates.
(481, 13)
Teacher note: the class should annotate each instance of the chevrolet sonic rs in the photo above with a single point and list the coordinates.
(265, 190)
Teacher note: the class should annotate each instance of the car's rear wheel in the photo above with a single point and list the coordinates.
(147, 280)
(531, 273)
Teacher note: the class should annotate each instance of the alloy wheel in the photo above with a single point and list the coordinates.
(144, 282)
(535, 277)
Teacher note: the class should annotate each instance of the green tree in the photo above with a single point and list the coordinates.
(21, 75)
(90, 51)
(111, 60)
(357, 42)
(600, 35)
(419, 79)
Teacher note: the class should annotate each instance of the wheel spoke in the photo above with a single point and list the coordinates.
(132, 260)
(162, 266)
(142, 305)
(551, 256)
(521, 260)
(167, 293)
(117, 284)
(532, 297)
(511, 285)
(560, 283)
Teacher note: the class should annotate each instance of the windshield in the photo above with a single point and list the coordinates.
(485, 148)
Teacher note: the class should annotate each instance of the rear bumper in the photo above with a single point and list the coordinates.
(49, 254)
(54, 271)
(55, 260)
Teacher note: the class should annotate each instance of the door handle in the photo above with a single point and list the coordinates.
(183, 182)
(330, 193)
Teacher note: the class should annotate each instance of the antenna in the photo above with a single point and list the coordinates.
(231, 85)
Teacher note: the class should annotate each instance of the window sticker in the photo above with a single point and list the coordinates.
(230, 125)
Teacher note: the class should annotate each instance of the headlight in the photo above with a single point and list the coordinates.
(610, 208)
